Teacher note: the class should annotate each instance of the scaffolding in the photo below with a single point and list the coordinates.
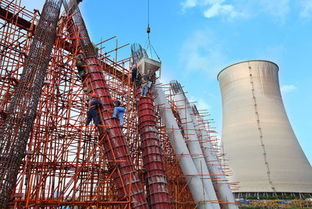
(17, 124)
(67, 163)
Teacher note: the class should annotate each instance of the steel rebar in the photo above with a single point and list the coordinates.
(16, 128)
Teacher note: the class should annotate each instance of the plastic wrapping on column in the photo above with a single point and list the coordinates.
(183, 155)
(157, 186)
(220, 182)
(115, 147)
(193, 142)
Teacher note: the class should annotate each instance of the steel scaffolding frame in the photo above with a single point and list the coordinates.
(66, 163)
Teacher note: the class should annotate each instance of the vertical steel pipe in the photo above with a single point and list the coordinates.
(15, 130)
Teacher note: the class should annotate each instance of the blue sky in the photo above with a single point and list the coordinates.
(195, 39)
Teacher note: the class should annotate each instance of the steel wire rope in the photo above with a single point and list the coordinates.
(149, 45)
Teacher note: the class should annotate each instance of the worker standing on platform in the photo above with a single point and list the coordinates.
(153, 79)
(80, 64)
(92, 112)
(134, 73)
(119, 111)
(146, 83)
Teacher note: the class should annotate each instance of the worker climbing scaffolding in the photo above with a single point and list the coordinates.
(134, 73)
(107, 173)
(145, 85)
(80, 64)
(115, 144)
(119, 110)
(92, 112)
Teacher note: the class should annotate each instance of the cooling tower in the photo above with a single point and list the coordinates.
(259, 143)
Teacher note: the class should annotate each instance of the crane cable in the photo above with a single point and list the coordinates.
(148, 30)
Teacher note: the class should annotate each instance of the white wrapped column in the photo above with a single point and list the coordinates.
(213, 162)
(192, 141)
(187, 165)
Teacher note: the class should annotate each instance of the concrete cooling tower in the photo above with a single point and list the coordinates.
(261, 148)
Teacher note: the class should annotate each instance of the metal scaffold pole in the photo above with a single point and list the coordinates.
(17, 126)
(85, 43)
(115, 146)
(69, 164)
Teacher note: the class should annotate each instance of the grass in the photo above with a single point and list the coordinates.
(257, 207)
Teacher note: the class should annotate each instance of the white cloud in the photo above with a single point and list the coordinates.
(218, 9)
(188, 4)
(210, 2)
(278, 8)
(211, 8)
(200, 103)
(242, 8)
(166, 75)
(306, 8)
(288, 88)
(202, 52)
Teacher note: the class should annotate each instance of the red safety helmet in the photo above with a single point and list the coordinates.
(94, 95)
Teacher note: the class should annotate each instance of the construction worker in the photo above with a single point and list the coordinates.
(80, 64)
(146, 83)
(138, 80)
(92, 112)
(134, 73)
(119, 111)
(153, 79)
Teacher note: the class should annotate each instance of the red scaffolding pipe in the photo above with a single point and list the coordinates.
(156, 183)
(115, 146)
(16, 128)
